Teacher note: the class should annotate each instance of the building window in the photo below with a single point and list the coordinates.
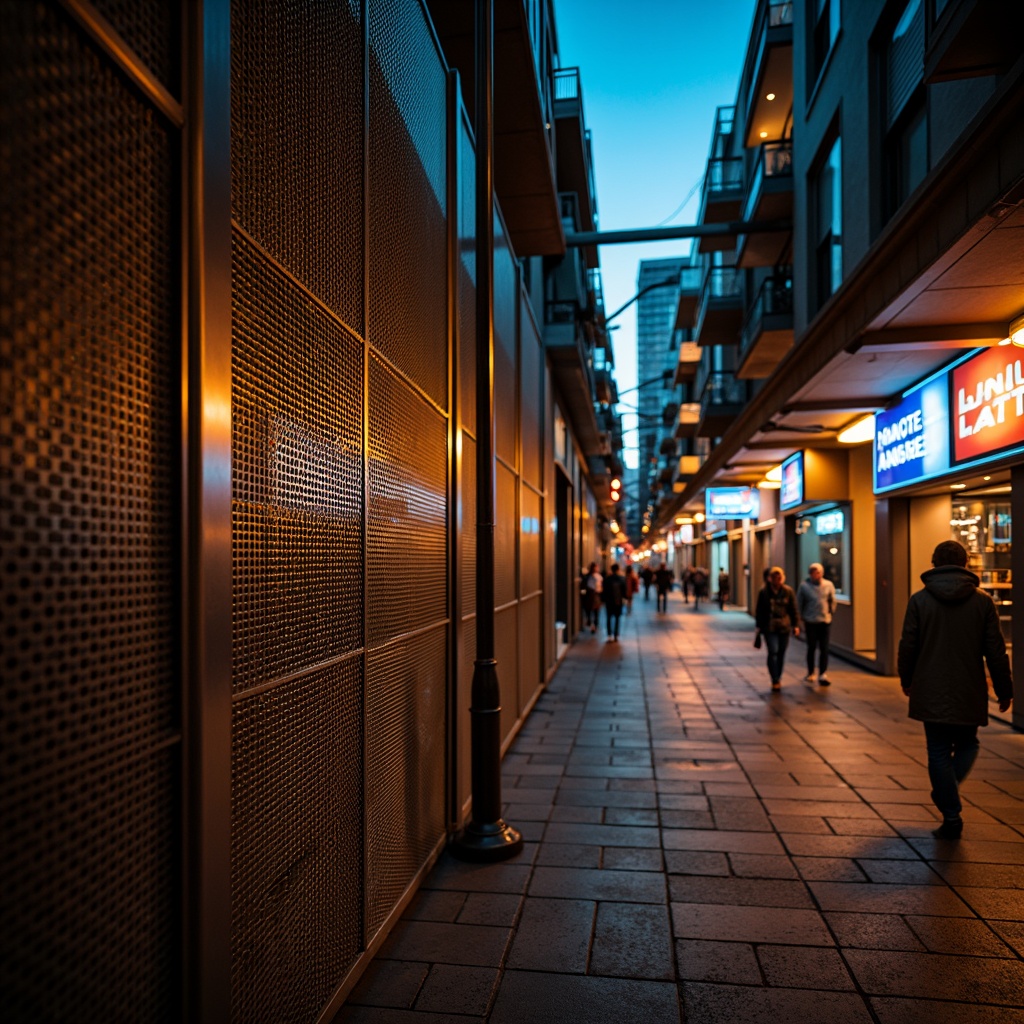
(827, 190)
(906, 121)
(825, 537)
(824, 32)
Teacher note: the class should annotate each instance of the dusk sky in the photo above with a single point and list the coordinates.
(652, 73)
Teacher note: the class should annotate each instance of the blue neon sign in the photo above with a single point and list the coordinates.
(732, 502)
(792, 492)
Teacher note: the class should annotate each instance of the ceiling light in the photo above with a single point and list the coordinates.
(698, 517)
(957, 487)
(774, 474)
(859, 432)
(769, 485)
(1016, 331)
(1005, 341)
(770, 96)
(986, 478)
(764, 135)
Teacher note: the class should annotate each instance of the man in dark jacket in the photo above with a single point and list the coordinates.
(663, 581)
(776, 617)
(950, 632)
(614, 597)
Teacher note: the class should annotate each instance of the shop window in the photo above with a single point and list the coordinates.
(827, 222)
(825, 537)
(984, 528)
(824, 32)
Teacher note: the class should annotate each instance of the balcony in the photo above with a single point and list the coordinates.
(689, 360)
(524, 154)
(720, 312)
(571, 359)
(722, 400)
(575, 164)
(688, 468)
(769, 197)
(772, 74)
(768, 331)
(689, 417)
(721, 199)
(689, 293)
(970, 38)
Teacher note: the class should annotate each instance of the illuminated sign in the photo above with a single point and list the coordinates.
(792, 490)
(829, 522)
(732, 502)
(988, 404)
(686, 534)
(968, 414)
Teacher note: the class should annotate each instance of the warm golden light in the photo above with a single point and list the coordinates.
(859, 432)
(764, 135)
(614, 526)
(769, 485)
(698, 517)
(957, 487)
(616, 483)
(774, 474)
(1016, 332)
(770, 96)
(645, 528)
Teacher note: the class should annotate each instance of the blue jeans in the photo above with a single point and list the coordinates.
(952, 750)
(613, 616)
(776, 644)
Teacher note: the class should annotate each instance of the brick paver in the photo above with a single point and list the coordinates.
(700, 849)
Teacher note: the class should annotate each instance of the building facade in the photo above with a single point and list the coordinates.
(241, 416)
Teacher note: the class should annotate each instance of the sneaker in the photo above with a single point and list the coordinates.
(776, 686)
(824, 681)
(951, 828)
(809, 678)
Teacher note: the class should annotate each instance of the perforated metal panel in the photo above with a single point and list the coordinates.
(297, 843)
(463, 699)
(531, 422)
(506, 384)
(89, 401)
(405, 730)
(466, 280)
(297, 142)
(529, 541)
(297, 478)
(506, 528)
(407, 512)
(506, 651)
(408, 320)
(530, 644)
(467, 526)
(152, 29)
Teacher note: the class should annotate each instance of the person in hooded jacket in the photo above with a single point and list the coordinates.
(950, 632)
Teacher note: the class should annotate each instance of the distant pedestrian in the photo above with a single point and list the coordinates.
(699, 582)
(590, 593)
(685, 582)
(647, 577)
(632, 586)
(723, 589)
(777, 618)
(816, 604)
(614, 597)
(950, 632)
(663, 579)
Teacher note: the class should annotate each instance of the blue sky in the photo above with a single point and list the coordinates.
(652, 72)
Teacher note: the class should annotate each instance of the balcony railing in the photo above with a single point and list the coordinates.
(560, 312)
(567, 84)
(775, 296)
(721, 283)
(722, 388)
(780, 14)
(689, 279)
(724, 174)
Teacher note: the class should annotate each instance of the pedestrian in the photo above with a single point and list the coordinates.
(614, 597)
(663, 580)
(632, 586)
(685, 582)
(723, 589)
(590, 591)
(647, 576)
(699, 582)
(777, 618)
(950, 632)
(816, 604)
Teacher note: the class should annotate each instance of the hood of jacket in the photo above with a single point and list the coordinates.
(950, 584)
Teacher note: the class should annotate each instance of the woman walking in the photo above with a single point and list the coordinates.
(776, 619)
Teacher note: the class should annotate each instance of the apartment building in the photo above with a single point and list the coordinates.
(877, 146)
(241, 422)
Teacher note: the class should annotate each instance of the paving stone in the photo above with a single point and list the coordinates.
(909, 1011)
(877, 848)
(760, 865)
(630, 816)
(1011, 932)
(696, 862)
(435, 905)
(632, 941)
(999, 904)
(726, 842)
(380, 1015)
(580, 883)
(799, 967)
(802, 823)
(627, 858)
(704, 960)
(553, 935)
(931, 976)
(757, 892)
(393, 983)
(535, 998)
(442, 943)
(490, 908)
(605, 798)
(682, 802)
(574, 815)
(858, 827)
(872, 931)
(687, 819)
(603, 835)
(958, 935)
(451, 989)
(749, 924)
(508, 876)
(738, 1004)
(568, 855)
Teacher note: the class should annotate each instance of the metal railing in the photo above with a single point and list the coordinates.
(567, 84)
(720, 389)
(724, 174)
(690, 279)
(721, 283)
(780, 14)
(774, 298)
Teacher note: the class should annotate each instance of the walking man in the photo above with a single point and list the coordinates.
(590, 591)
(614, 597)
(647, 575)
(663, 581)
(950, 632)
(816, 603)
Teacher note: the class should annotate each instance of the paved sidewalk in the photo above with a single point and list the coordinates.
(699, 849)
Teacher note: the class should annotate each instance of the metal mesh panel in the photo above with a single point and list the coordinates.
(529, 541)
(530, 675)
(89, 351)
(408, 321)
(506, 385)
(466, 280)
(532, 368)
(297, 474)
(151, 28)
(405, 744)
(467, 527)
(407, 510)
(462, 702)
(297, 141)
(506, 651)
(505, 536)
(297, 843)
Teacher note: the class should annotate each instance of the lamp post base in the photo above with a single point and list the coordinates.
(486, 842)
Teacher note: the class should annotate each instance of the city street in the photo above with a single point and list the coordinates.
(700, 849)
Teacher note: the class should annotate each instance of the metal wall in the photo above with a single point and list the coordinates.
(238, 462)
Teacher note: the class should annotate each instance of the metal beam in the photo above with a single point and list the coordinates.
(733, 227)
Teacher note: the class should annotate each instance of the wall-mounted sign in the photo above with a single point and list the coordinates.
(732, 502)
(829, 523)
(791, 493)
(920, 439)
(686, 534)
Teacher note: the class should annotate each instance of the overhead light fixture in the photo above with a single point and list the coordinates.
(774, 474)
(764, 135)
(770, 96)
(1016, 331)
(645, 528)
(859, 432)
(769, 485)
(1005, 341)
(986, 478)
(957, 487)
(698, 517)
